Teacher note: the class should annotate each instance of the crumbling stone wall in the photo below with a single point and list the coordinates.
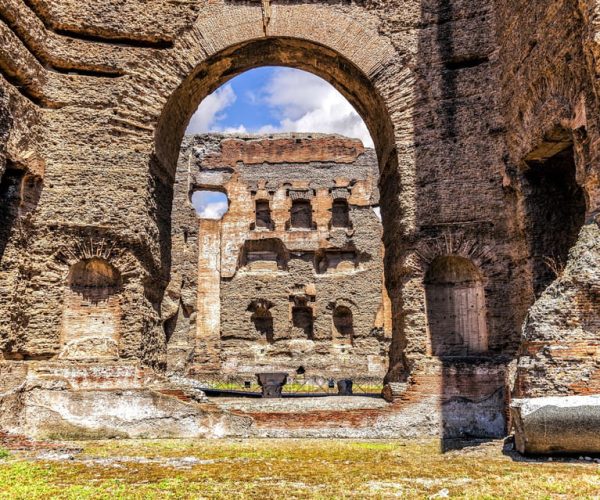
(551, 165)
(294, 276)
(458, 95)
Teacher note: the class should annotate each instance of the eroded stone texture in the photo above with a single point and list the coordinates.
(555, 115)
(106, 400)
(467, 103)
(550, 425)
(279, 288)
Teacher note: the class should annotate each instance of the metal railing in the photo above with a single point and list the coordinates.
(295, 386)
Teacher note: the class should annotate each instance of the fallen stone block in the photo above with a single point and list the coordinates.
(557, 425)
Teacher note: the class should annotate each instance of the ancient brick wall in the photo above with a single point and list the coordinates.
(461, 99)
(549, 102)
(268, 294)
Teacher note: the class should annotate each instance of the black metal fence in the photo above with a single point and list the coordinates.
(295, 386)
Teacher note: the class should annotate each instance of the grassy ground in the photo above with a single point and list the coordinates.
(267, 469)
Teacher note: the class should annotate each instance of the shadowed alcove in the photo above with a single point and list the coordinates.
(456, 311)
(555, 206)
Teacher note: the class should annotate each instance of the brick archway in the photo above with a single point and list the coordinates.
(359, 66)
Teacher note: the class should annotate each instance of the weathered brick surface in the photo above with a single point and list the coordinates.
(459, 96)
(219, 337)
(285, 150)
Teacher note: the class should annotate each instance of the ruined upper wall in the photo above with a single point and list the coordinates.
(278, 266)
(286, 149)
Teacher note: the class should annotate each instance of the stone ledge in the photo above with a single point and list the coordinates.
(107, 400)
(557, 425)
(285, 148)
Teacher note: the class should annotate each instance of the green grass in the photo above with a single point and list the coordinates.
(269, 469)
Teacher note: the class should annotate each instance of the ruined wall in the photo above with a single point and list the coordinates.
(459, 97)
(270, 273)
(548, 55)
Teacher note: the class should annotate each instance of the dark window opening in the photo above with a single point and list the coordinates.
(262, 318)
(301, 214)
(19, 195)
(169, 326)
(340, 213)
(343, 322)
(10, 198)
(302, 319)
(263, 323)
(263, 215)
(555, 212)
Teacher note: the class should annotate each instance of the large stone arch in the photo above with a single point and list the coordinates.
(229, 39)
(350, 55)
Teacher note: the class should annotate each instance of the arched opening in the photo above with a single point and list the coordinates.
(302, 203)
(306, 55)
(92, 310)
(456, 311)
(340, 213)
(343, 324)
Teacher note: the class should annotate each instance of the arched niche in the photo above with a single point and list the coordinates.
(92, 310)
(456, 309)
(95, 279)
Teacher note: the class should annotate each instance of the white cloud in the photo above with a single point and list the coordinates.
(240, 129)
(304, 102)
(211, 110)
(296, 101)
(210, 204)
(377, 211)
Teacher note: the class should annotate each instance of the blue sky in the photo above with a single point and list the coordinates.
(270, 100)
(277, 99)
(210, 204)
